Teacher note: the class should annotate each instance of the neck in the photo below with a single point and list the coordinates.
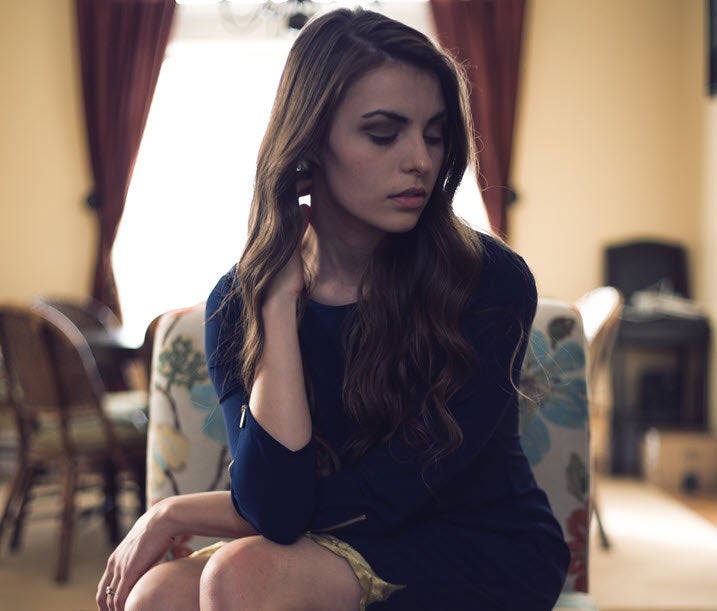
(337, 263)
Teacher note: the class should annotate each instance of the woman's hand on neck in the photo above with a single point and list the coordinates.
(288, 284)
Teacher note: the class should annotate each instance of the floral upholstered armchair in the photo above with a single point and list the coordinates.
(187, 445)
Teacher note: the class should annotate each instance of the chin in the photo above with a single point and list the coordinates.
(403, 225)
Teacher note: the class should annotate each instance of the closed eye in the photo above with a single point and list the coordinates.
(383, 140)
(435, 132)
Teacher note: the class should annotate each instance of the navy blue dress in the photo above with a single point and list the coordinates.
(475, 532)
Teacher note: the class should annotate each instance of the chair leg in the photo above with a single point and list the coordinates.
(110, 503)
(604, 541)
(64, 549)
(22, 500)
(9, 512)
(141, 476)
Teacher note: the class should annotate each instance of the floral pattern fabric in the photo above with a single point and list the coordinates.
(554, 425)
(186, 442)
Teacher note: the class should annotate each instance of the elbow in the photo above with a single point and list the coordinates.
(280, 520)
(283, 533)
(281, 527)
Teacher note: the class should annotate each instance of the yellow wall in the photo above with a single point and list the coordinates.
(614, 139)
(47, 236)
(608, 138)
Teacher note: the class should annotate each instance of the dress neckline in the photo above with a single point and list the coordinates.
(327, 307)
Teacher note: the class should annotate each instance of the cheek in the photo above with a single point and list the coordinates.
(358, 168)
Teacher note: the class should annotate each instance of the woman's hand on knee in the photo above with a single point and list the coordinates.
(146, 544)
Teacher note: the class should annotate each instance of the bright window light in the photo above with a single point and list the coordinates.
(185, 218)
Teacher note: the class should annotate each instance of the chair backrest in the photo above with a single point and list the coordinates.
(87, 315)
(49, 370)
(96, 322)
(600, 310)
(642, 264)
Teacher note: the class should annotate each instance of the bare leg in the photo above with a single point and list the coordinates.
(169, 585)
(251, 574)
(256, 574)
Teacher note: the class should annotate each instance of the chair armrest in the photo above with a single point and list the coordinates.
(186, 445)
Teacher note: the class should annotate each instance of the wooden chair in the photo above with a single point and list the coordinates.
(93, 318)
(86, 314)
(69, 436)
(600, 310)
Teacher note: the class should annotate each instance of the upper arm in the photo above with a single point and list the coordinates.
(271, 486)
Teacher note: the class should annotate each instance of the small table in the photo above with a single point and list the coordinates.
(114, 351)
(688, 339)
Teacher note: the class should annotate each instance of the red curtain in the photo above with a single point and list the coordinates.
(485, 36)
(122, 45)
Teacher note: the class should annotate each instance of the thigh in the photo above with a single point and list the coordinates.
(446, 566)
(169, 585)
(255, 573)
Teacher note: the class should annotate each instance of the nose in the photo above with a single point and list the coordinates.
(417, 158)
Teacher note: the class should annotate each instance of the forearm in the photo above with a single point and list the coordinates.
(278, 395)
(208, 514)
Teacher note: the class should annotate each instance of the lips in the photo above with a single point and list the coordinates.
(410, 198)
(411, 193)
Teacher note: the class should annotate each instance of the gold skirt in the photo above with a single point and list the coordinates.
(373, 588)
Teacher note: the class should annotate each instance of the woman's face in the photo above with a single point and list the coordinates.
(379, 165)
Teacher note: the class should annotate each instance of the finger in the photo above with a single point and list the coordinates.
(122, 591)
(101, 598)
(120, 588)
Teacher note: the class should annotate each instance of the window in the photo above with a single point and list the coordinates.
(185, 218)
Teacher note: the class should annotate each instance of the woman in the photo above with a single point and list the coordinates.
(366, 352)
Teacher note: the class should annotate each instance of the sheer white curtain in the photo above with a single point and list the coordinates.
(185, 218)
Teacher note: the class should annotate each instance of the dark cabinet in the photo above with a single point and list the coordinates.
(660, 361)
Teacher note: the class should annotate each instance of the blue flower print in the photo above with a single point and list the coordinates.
(550, 391)
(204, 398)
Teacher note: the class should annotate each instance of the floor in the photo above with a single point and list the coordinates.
(662, 554)
(702, 504)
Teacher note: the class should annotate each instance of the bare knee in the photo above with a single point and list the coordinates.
(241, 575)
(145, 594)
(170, 585)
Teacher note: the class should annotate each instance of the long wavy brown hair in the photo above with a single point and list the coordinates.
(405, 354)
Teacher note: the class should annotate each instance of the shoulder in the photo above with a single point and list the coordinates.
(217, 300)
(505, 281)
(222, 312)
(224, 304)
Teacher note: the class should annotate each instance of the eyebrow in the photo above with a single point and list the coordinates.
(394, 116)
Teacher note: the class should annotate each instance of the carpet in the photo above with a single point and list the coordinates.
(663, 556)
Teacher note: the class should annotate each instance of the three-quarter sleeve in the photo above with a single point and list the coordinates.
(272, 487)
